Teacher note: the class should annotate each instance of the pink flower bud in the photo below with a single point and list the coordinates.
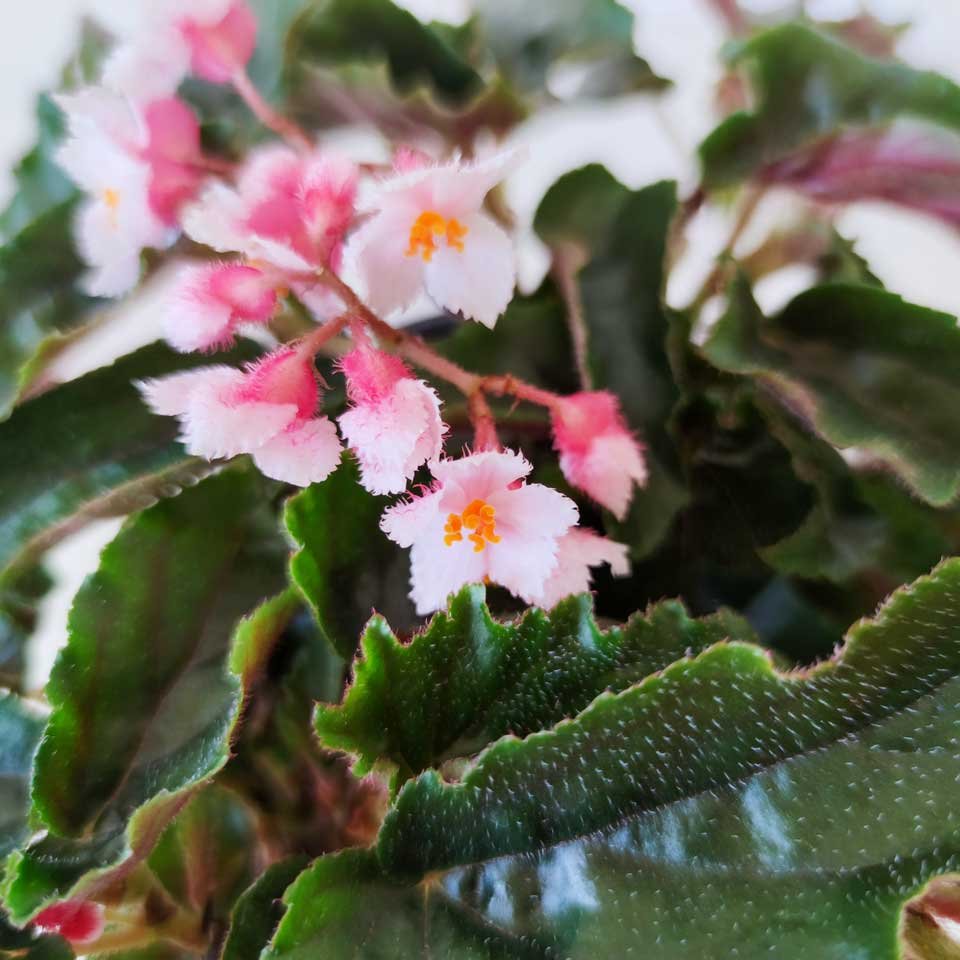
(394, 422)
(480, 522)
(218, 49)
(79, 921)
(212, 300)
(266, 410)
(174, 155)
(598, 454)
(287, 209)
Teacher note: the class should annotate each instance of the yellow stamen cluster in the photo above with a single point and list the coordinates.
(428, 228)
(480, 519)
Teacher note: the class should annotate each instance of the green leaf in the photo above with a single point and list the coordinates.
(206, 857)
(808, 85)
(341, 32)
(591, 39)
(851, 360)
(861, 522)
(25, 945)
(258, 910)
(620, 237)
(467, 680)
(345, 567)
(144, 705)
(719, 808)
(90, 449)
(20, 731)
(19, 598)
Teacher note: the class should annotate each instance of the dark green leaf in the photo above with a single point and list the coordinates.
(258, 911)
(717, 809)
(90, 449)
(144, 705)
(809, 85)
(25, 945)
(345, 567)
(467, 680)
(864, 368)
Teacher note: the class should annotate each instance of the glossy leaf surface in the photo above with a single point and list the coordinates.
(716, 809)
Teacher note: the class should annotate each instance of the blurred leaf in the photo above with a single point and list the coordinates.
(90, 449)
(20, 730)
(340, 32)
(861, 523)
(852, 361)
(25, 945)
(807, 86)
(467, 680)
(345, 567)
(19, 598)
(589, 40)
(144, 706)
(258, 911)
(716, 808)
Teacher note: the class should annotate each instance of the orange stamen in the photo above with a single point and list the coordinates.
(428, 228)
(480, 519)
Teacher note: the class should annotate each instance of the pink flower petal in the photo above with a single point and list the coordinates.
(577, 552)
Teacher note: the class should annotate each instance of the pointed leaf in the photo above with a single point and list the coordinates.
(717, 808)
(130, 735)
(467, 680)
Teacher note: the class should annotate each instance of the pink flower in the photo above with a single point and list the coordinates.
(212, 300)
(266, 410)
(598, 453)
(393, 425)
(79, 921)
(577, 552)
(428, 231)
(287, 209)
(137, 167)
(480, 522)
(213, 39)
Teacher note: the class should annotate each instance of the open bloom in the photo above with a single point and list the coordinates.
(428, 231)
(598, 453)
(211, 300)
(211, 38)
(137, 166)
(480, 522)
(266, 410)
(393, 425)
(78, 921)
(577, 552)
(287, 209)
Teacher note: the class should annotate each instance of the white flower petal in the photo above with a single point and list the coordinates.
(376, 263)
(479, 280)
(305, 453)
